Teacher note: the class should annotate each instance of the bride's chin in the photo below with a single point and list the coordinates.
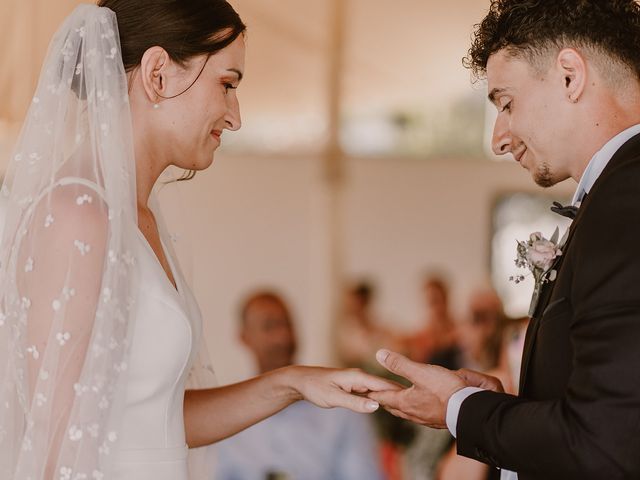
(203, 165)
(208, 163)
(203, 161)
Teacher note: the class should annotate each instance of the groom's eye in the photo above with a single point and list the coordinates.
(507, 107)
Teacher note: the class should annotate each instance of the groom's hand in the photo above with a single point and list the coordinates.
(481, 380)
(425, 402)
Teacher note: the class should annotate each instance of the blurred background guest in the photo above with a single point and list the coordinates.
(360, 332)
(508, 370)
(483, 346)
(301, 442)
(436, 342)
(480, 332)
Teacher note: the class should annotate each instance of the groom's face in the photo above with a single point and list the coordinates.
(532, 118)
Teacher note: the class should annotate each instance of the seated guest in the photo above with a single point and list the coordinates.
(303, 441)
(481, 336)
(360, 333)
(480, 333)
(436, 342)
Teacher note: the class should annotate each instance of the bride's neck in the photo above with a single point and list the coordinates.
(150, 159)
(149, 167)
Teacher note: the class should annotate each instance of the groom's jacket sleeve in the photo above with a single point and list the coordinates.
(587, 426)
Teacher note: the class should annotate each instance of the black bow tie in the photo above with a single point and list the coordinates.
(569, 211)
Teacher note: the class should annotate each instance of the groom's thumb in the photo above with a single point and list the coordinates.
(396, 363)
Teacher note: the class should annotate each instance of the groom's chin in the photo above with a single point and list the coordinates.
(544, 182)
(543, 177)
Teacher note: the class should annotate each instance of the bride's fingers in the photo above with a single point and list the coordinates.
(357, 380)
(353, 402)
(360, 390)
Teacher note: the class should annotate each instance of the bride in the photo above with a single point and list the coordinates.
(103, 368)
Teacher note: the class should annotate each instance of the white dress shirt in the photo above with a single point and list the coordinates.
(595, 167)
(302, 442)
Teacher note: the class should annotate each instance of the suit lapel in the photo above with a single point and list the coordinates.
(532, 331)
(545, 296)
(628, 151)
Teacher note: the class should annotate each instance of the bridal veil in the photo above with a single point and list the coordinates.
(68, 284)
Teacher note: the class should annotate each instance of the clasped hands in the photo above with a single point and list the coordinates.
(424, 402)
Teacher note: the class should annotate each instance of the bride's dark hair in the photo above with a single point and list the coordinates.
(184, 28)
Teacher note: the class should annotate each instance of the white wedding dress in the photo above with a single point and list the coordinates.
(167, 332)
(163, 347)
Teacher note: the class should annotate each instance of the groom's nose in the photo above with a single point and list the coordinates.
(501, 140)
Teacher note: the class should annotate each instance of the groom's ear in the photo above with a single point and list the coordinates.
(573, 68)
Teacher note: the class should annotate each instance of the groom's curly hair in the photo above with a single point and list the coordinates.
(531, 29)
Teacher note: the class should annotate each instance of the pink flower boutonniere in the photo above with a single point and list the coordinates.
(538, 255)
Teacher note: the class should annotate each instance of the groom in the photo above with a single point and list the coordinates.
(565, 78)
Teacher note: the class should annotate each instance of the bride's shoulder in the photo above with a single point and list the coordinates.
(75, 204)
(69, 215)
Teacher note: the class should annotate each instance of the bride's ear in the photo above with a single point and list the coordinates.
(154, 70)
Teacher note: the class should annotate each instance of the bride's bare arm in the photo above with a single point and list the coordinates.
(213, 414)
(60, 285)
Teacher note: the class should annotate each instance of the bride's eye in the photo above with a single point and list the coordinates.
(228, 86)
(506, 108)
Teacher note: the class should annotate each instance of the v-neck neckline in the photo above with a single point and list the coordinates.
(176, 288)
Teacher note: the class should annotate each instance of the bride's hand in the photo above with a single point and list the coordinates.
(329, 387)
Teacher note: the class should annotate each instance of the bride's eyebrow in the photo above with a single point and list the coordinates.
(237, 72)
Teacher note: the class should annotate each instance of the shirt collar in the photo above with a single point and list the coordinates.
(600, 160)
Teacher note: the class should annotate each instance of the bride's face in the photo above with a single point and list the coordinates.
(185, 131)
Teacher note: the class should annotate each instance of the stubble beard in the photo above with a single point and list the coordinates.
(543, 176)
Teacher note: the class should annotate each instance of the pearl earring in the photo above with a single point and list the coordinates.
(156, 106)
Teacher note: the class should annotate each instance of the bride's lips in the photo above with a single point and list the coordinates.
(216, 134)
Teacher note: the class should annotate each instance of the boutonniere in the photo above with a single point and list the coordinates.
(539, 256)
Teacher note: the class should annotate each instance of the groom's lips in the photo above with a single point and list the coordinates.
(518, 156)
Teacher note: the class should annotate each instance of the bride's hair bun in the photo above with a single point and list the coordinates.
(183, 28)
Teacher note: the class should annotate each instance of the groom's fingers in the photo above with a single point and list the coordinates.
(399, 364)
(406, 416)
(391, 402)
(397, 413)
(386, 398)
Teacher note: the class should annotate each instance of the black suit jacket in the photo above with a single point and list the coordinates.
(578, 412)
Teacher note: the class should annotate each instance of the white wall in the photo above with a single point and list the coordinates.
(250, 222)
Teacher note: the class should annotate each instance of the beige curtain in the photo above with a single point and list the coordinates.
(26, 27)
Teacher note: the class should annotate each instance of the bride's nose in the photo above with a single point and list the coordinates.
(233, 120)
